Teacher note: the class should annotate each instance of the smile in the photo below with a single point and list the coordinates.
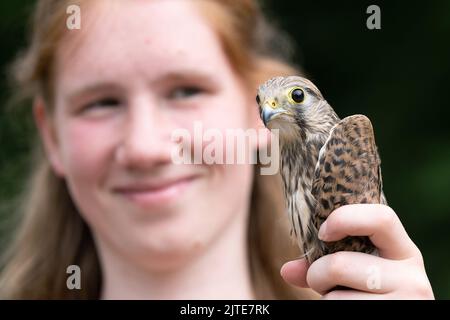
(156, 195)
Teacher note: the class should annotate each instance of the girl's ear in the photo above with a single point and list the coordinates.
(47, 133)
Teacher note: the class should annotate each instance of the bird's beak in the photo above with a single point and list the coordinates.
(269, 111)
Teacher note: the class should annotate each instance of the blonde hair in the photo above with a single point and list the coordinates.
(52, 235)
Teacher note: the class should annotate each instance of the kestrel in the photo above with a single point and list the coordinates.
(325, 162)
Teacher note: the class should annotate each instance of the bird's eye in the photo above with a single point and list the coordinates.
(298, 95)
(258, 100)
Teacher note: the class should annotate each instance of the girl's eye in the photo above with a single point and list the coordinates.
(103, 103)
(185, 92)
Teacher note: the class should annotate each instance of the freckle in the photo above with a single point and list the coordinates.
(198, 245)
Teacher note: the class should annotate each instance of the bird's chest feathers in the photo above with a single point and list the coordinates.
(297, 163)
(297, 169)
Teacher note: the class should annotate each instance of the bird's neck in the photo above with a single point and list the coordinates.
(300, 149)
(298, 160)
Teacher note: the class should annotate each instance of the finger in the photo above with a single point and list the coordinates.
(294, 272)
(352, 295)
(359, 295)
(378, 222)
(354, 270)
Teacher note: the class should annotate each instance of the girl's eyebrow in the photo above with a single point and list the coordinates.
(188, 74)
(90, 89)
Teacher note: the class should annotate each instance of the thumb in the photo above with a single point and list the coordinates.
(294, 272)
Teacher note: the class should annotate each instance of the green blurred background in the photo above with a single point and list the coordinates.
(398, 76)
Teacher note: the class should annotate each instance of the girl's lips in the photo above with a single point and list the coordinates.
(156, 195)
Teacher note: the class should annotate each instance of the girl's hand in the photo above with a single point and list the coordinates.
(397, 273)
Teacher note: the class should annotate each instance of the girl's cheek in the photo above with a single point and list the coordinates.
(88, 147)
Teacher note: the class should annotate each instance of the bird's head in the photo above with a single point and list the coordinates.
(294, 105)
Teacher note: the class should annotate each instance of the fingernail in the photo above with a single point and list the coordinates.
(322, 231)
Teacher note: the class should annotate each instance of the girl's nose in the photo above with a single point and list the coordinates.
(147, 138)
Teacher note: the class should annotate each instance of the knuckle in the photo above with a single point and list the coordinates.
(387, 217)
(418, 257)
(422, 288)
(416, 284)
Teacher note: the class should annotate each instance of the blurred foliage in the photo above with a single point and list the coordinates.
(16, 125)
(397, 76)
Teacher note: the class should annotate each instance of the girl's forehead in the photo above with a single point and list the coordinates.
(139, 35)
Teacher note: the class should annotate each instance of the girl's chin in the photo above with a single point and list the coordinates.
(170, 259)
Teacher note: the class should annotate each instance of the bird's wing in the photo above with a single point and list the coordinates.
(348, 169)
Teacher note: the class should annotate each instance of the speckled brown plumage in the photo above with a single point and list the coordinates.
(348, 172)
(325, 162)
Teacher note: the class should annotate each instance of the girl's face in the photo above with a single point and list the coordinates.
(133, 74)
